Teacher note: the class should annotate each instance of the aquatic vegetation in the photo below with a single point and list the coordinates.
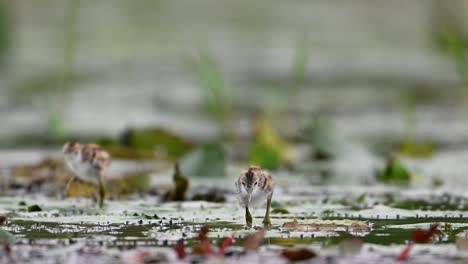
(34, 208)
(268, 149)
(207, 160)
(161, 141)
(218, 96)
(180, 187)
(394, 172)
(321, 136)
(416, 148)
(212, 195)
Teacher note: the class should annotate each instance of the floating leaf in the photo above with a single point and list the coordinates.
(155, 216)
(129, 183)
(405, 252)
(125, 152)
(213, 195)
(34, 208)
(268, 150)
(279, 211)
(181, 185)
(291, 225)
(253, 241)
(180, 249)
(394, 172)
(224, 245)
(80, 188)
(208, 160)
(298, 254)
(154, 139)
(133, 182)
(418, 236)
(278, 208)
(354, 227)
(39, 173)
(421, 236)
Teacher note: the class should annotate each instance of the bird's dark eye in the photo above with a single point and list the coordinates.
(243, 183)
(255, 183)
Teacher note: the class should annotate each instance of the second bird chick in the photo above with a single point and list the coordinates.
(88, 163)
(254, 186)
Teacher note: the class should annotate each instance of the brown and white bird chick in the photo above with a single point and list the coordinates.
(88, 163)
(253, 187)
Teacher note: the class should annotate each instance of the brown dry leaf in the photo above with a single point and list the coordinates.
(132, 182)
(39, 173)
(2, 220)
(359, 227)
(298, 254)
(82, 189)
(295, 226)
(462, 243)
(326, 227)
(291, 225)
(253, 241)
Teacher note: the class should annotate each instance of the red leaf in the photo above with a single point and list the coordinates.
(204, 248)
(206, 245)
(421, 236)
(224, 244)
(203, 235)
(180, 249)
(405, 252)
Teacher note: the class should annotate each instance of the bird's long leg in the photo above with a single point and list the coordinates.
(266, 220)
(248, 217)
(102, 192)
(67, 187)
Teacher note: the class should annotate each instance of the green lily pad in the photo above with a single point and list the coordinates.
(207, 160)
(279, 211)
(34, 208)
(159, 140)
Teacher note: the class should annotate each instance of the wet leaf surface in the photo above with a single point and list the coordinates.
(298, 254)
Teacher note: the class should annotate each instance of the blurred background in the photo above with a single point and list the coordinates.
(254, 75)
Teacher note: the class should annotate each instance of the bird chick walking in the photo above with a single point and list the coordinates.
(253, 187)
(88, 163)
